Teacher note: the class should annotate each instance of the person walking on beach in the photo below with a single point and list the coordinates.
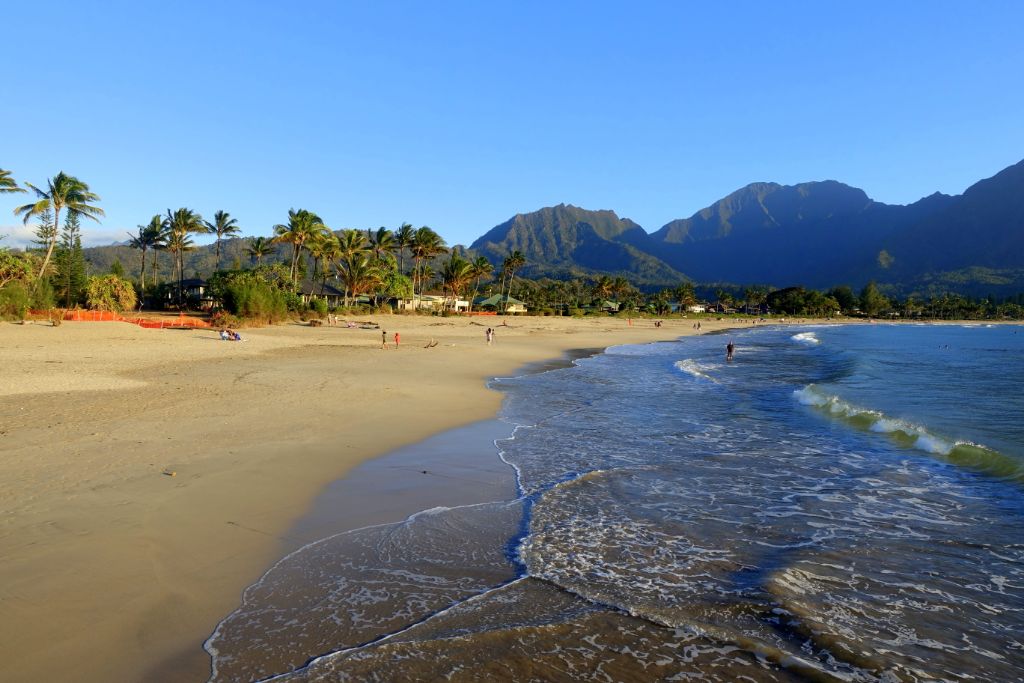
(396, 340)
(383, 339)
(729, 348)
(490, 336)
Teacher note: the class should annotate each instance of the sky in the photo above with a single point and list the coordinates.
(460, 115)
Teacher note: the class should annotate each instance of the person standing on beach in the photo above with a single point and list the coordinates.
(490, 336)
(396, 340)
(383, 339)
(729, 348)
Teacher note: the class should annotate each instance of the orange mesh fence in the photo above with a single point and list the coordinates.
(78, 315)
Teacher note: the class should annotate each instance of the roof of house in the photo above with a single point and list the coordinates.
(497, 299)
(309, 287)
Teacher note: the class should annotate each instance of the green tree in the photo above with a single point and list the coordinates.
(456, 276)
(426, 244)
(871, 300)
(258, 248)
(109, 293)
(404, 237)
(302, 226)
(62, 192)
(223, 225)
(479, 269)
(70, 278)
(151, 236)
(181, 225)
(7, 183)
(513, 262)
(845, 297)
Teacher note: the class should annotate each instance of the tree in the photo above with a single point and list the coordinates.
(426, 244)
(479, 269)
(513, 262)
(359, 274)
(181, 224)
(685, 295)
(603, 287)
(404, 237)
(456, 275)
(70, 263)
(7, 183)
(301, 227)
(258, 248)
(382, 241)
(871, 300)
(845, 297)
(153, 235)
(62, 192)
(109, 293)
(223, 225)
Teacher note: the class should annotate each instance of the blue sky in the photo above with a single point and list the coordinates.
(459, 115)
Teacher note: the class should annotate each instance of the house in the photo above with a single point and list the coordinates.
(432, 302)
(498, 302)
(608, 306)
(310, 290)
(697, 308)
(194, 292)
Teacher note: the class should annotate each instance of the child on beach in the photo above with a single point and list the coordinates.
(383, 339)
(396, 340)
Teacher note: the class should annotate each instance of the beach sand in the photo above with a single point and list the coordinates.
(148, 476)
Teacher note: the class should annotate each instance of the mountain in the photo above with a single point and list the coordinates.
(566, 240)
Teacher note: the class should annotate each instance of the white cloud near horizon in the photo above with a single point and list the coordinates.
(20, 236)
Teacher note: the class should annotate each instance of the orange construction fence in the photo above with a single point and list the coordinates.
(78, 315)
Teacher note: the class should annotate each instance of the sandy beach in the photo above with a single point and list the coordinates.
(148, 476)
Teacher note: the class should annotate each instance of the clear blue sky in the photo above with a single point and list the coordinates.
(459, 115)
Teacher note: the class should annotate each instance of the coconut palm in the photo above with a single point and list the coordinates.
(403, 240)
(382, 241)
(258, 248)
(513, 262)
(301, 227)
(426, 244)
(182, 223)
(62, 192)
(359, 274)
(456, 275)
(151, 236)
(479, 269)
(7, 183)
(223, 225)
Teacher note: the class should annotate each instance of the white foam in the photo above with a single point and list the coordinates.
(692, 367)
(806, 338)
(932, 444)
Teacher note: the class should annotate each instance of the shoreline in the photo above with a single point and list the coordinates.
(108, 565)
(136, 513)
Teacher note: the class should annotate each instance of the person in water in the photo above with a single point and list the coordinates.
(729, 348)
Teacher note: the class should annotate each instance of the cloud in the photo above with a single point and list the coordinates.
(21, 236)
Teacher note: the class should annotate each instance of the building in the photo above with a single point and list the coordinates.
(310, 290)
(502, 304)
(432, 302)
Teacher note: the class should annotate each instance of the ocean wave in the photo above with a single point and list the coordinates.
(909, 435)
(700, 370)
(806, 338)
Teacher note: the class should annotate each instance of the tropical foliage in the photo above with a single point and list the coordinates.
(109, 293)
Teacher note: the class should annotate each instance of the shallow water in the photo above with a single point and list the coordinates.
(838, 503)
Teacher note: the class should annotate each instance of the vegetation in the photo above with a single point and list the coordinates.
(109, 293)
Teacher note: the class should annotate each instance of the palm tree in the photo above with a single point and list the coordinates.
(603, 287)
(150, 236)
(456, 275)
(223, 225)
(359, 274)
(62, 192)
(182, 223)
(404, 237)
(479, 268)
(301, 227)
(7, 183)
(331, 252)
(426, 244)
(381, 240)
(258, 248)
(513, 262)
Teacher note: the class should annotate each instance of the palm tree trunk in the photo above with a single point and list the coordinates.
(218, 252)
(142, 272)
(49, 248)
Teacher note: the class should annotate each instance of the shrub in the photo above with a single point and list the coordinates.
(42, 298)
(250, 297)
(14, 299)
(109, 293)
(319, 306)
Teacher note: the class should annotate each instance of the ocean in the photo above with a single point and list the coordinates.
(838, 503)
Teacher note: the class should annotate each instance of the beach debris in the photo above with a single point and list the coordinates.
(169, 473)
(431, 344)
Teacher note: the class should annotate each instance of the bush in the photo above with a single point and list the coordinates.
(42, 298)
(109, 293)
(319, 306)
(222, 319)
(14, 300)
(250, 297)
